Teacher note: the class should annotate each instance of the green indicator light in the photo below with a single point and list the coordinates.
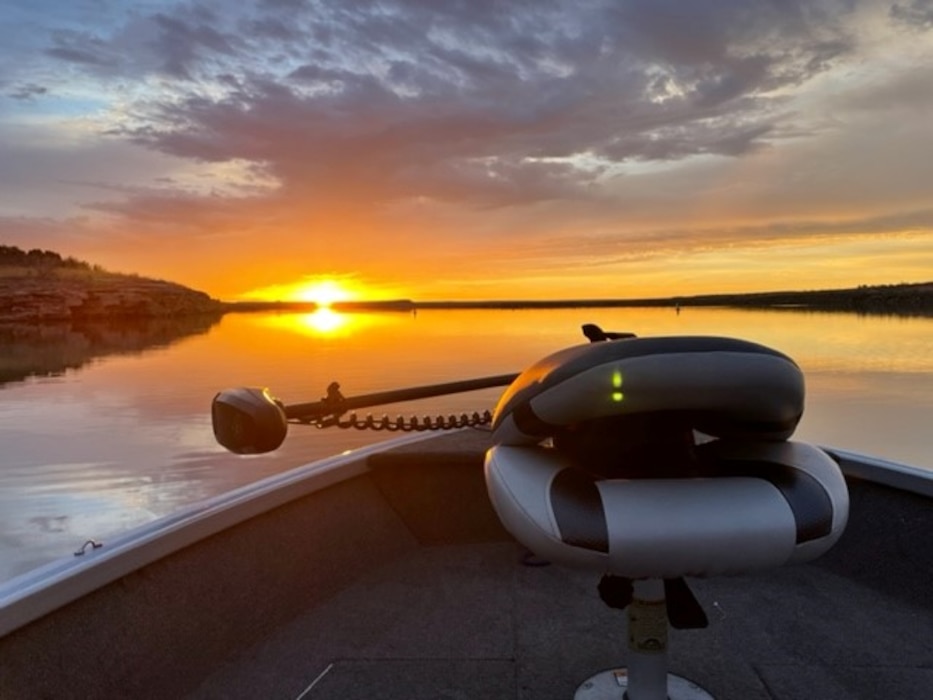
(617, 385)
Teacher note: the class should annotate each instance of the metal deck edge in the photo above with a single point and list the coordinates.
(38, 592)
(31, 595)
(884, 472)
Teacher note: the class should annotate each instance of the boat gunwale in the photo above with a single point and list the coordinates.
(882, 471)
(30, 596)
(40, 591)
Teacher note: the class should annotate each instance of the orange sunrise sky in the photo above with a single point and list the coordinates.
(473, 150)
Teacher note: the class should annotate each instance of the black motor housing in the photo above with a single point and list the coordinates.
(248, 420)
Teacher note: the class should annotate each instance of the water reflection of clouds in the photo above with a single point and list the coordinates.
(873, 421)
(71, 502)
(128, 438)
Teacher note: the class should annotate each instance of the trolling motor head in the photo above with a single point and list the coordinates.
(248, 421)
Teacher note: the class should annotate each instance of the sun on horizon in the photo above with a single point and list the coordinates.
(322, 291)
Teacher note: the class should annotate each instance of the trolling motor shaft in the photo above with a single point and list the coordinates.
(252, 421)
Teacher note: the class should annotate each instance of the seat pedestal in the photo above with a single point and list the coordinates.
(646, 677)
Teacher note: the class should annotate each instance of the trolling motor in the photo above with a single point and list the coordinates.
(248, 421)
(252, 421)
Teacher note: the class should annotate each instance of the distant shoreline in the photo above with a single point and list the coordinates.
(40, 286)
(52, 290)
(898, 299)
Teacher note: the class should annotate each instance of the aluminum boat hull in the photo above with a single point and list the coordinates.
(385, 573)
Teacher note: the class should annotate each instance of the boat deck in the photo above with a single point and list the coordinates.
(455, 618)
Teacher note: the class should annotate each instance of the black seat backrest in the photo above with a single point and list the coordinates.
(622, 394)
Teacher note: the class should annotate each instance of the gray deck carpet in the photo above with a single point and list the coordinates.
(470, 621)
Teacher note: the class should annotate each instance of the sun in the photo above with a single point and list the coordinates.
(320, 290)
(324, 292)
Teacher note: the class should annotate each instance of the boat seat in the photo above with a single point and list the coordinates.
(652, 459)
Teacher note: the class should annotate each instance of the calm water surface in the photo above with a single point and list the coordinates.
(121, 434)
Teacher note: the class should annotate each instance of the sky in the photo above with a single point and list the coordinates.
(474, 149)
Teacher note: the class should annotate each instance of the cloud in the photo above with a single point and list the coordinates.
(917, 14)
(514, 123)
(476, 105)
(183, 43)
(27, 91)
(81, 48)
(659, 242)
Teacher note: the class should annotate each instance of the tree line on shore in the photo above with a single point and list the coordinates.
(13, 256)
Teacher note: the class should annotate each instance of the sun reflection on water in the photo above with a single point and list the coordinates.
(323, 321)
(320, 322)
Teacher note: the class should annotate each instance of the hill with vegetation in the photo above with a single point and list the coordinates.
(890, 299)
(898, 299)
(41, 285)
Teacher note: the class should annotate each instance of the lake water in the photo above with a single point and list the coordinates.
(108, 428)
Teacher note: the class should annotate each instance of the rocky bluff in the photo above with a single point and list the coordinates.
(55, 296)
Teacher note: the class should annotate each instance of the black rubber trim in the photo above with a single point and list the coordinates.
(724, 423)
(578, 510)
(808, 500)
(528, 422)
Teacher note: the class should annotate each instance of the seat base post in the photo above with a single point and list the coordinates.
(614, 685)
(646, 677)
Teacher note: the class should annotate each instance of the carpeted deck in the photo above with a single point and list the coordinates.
(468, 620)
